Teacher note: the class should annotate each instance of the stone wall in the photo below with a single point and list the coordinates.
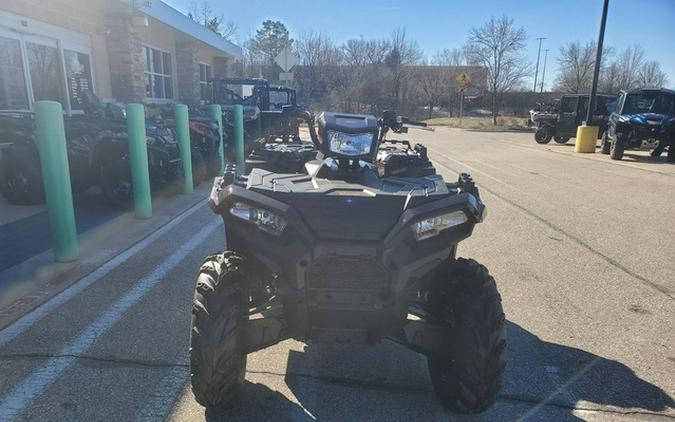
(187, 70)
(125, 55)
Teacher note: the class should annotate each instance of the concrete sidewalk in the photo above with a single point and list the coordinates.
(104, 234)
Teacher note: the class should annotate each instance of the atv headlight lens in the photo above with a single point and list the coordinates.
(264, 219)
(430, 227)
(350, 144)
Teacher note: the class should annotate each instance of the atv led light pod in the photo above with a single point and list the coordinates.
(264, 219)
(430, 227)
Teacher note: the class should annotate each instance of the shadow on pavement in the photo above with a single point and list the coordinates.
(257, 402)
(642, 158)
(386, 382)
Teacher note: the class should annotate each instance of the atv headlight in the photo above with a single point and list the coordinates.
(264, 219)
(350, 144)
(430, 227)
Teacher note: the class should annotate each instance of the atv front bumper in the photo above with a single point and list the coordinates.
(331, 288)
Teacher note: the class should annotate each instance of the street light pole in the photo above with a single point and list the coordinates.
(536, 71)
(543, 72)
(596, 70)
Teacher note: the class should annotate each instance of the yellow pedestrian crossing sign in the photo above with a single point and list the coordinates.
(463, 80)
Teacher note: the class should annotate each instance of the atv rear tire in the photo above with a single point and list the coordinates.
(617, 147)
(543, 135)
(470, 381)
(561, 139)
(605, 144)
(217, 363)
(671, 153)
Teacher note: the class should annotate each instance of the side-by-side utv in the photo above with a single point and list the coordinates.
(357, 247)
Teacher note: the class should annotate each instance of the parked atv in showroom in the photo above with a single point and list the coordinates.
(644, 118)
(357, 248)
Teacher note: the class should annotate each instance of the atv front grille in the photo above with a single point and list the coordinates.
(346, 272)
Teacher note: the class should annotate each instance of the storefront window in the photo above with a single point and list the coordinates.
(204, 75)
(158, 73)
(78, 76)
(44, 72)
(13, 95)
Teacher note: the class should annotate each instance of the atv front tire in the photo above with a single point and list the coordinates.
(617, 147)
(671, 153)
(21, 180)
(217, 363)
(198, 167)
(543, 135)
(561, 139)
(116, 185)
(470, 381)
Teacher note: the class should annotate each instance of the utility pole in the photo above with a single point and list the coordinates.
(543, 72)
(596, 70)
(587, 133)
(536, 72)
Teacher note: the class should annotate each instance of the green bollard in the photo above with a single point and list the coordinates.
(238, 116)
(183, 133)
(138, 157)
(217, 114)
(51, 137)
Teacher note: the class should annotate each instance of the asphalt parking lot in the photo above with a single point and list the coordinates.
(582, 248)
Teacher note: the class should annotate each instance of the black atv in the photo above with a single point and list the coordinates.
(98, 153)
(341, 254)
(561, 124)
(20, 171)
(644, 118)
(204, 139)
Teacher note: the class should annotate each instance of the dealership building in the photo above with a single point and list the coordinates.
(128, 50)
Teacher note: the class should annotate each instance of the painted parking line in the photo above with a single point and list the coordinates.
(32, 386)
(23, 323)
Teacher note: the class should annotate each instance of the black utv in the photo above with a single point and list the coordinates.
(354, 249)
(262, 120)
(643, 118)
(561, 124)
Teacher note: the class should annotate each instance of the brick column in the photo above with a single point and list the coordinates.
(187, 68)
(125, 55)
(222, 67)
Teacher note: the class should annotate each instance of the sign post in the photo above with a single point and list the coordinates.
(463, 80)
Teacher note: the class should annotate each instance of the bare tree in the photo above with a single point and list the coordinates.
(449, 57)
(204, 14)
(576, 67)
(319, 57)
(498, 46)
(650, 75)
(403, 52)
(628, 65)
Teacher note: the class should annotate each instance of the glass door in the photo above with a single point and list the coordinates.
(13, 90)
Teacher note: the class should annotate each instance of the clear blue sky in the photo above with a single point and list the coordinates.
(440, 24)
